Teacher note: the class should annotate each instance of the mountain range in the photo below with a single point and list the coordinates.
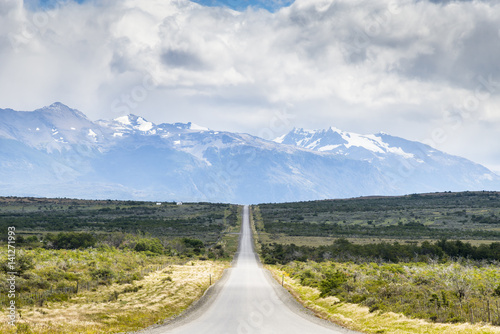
(57, 151)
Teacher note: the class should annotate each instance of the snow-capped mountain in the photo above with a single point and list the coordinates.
(408, 165)
(57, 151)
(340, 142)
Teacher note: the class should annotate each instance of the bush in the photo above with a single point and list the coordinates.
(70, 240)
(497, 291)
(132, 289)
(22, 264)
(58, 297)
(193, 243)
(268, 259)
(331, 285)
(103, 274)
(149, 245)
(374, 307)
(31, 239)
(308, 278)
(114, 296)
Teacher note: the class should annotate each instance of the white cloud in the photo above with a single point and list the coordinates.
(366, 65)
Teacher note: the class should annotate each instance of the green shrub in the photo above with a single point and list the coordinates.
(308, 278)
(149, 245)
(114, 296)
(23, 263)
(132, 289)
(102, 274)
(70, 240)
(58, 297)
(71, 276)
(331, 285)
(193, 243)
(497, 291)
(268, 259)
(357, 298)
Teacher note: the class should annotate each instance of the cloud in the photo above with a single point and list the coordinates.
(179, 58)
(366, 65)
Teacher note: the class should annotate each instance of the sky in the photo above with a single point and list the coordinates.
(419, 69)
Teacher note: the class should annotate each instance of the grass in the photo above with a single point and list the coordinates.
(121, 307)
(63, 268)
(120, 287)
(360, 318)
(304, 285)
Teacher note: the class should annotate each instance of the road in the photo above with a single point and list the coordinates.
(249, 303)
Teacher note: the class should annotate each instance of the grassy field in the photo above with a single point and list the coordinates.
(111, 266)
(449, 292)
(359, 317)
(411, 264)
(119, 307)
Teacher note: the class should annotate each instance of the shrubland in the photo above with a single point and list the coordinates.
(429, 257)
(111, 266)
(440, 292)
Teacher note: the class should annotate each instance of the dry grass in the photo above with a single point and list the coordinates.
(359, 318)
(119, 308)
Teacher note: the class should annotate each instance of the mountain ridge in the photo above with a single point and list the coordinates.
(58, 150)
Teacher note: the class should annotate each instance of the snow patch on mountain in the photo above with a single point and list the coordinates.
(327, 148)
(280, 139)
(129, 157)
(123, 120)
(197, 127)
(354, 139)
(340, 142)
(144, 125)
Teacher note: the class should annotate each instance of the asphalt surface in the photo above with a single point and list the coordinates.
(247, 300)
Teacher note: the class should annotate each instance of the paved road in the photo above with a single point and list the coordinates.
(248, 303)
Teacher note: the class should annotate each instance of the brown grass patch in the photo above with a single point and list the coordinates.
(119, 308)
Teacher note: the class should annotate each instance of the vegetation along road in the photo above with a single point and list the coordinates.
(249, 302)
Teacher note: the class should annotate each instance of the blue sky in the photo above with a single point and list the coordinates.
(239, 5)
(45, 4)
(270, 5)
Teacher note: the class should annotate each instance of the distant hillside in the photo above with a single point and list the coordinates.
(457, 216)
